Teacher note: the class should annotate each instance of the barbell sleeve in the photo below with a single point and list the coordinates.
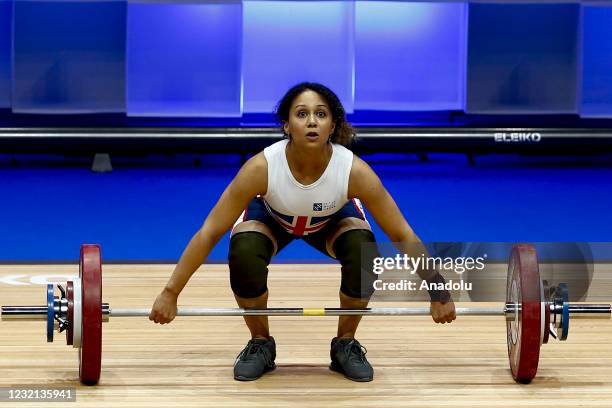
(36, 312)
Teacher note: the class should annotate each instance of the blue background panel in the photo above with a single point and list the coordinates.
(150, 212)
(286, 42)
(6, 18)
(597, 62)
(522, 58)
(69, 57)
(410, 56)
(184, 58)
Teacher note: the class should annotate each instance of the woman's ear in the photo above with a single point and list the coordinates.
(286, 128)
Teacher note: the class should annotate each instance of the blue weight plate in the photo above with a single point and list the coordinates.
(564, 292)
(50, 313)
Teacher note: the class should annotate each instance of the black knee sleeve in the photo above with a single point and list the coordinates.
(356, 250)
(249, 256)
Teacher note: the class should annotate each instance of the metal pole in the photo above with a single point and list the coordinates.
(383, 311)
(589, 311)
(24, 312)
(576, 310)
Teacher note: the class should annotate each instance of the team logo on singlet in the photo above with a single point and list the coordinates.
(323, 206)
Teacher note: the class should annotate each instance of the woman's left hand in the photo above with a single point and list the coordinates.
(443, 312)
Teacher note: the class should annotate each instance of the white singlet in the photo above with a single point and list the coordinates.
(304, 209)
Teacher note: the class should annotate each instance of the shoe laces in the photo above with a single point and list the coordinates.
(251, 350)
(355, 351)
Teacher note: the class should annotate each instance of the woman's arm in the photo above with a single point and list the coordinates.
(365, 185)
(251, 180)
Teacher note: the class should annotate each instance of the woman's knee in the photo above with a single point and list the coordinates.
(249, 256)
(356, 250)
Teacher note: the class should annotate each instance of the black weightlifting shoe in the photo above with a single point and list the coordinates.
(348, 358)
(255, 359)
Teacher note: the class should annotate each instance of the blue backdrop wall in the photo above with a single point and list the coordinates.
(226, 59)
(149, 213)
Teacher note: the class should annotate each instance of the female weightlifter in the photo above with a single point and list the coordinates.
(310, 186)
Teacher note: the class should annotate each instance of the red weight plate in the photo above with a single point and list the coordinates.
(90, 352)
(524, 330)
(70, 315)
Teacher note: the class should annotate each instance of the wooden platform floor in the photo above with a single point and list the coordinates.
(189, 362)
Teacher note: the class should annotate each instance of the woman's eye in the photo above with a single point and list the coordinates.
(301, 114)
(321, 114)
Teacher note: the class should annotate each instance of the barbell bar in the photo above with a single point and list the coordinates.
(576, 310)
(533, 311)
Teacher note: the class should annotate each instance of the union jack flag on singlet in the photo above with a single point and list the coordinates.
(299, 225)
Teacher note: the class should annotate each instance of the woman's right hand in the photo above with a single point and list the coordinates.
(164, 308)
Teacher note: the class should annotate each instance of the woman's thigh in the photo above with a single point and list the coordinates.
(255, 218)
(350, 217)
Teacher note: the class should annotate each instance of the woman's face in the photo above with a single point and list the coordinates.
(310, 121)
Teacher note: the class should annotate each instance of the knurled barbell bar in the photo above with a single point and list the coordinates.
(533, 312)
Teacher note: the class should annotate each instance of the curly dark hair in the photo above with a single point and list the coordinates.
(344, 133)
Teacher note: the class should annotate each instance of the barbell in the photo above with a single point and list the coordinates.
(533, 312)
